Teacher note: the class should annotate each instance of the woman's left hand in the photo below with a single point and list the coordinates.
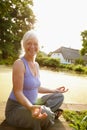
(61, 89)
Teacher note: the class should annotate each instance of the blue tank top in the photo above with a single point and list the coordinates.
(31, 84)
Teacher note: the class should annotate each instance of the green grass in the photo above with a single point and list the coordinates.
(76, 119)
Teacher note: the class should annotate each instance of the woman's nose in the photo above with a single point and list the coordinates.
(32, 46)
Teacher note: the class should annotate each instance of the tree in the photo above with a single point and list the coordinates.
(16, 17)
(84, 44)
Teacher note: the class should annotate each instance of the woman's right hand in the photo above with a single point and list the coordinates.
(36, 112)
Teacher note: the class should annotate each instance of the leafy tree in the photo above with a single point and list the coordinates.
(16, 17)
(84, 44)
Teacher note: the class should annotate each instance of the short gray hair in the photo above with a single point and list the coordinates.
(29, 34)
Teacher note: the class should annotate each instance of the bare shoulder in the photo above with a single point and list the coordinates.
(18, 62)
(18, 65)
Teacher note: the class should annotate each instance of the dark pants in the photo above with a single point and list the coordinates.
(19, 116)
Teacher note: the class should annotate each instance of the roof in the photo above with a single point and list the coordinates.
(69, 53)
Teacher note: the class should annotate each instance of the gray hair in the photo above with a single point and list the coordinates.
(29, 34)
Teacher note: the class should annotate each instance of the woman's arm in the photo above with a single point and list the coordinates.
(46, 90)
(18, 79)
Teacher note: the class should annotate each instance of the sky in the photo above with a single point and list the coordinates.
(60, 23)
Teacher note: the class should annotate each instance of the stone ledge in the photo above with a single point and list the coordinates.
(60, 124)
(75, 107)
(5, 126)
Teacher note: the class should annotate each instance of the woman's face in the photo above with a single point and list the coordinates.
(31, 46)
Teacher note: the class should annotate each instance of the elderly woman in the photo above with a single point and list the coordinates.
(21, 108)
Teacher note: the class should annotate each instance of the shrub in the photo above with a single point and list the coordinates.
(79, 61)
(47, 61)
(76, 119)
(69, 66)
(79, 68)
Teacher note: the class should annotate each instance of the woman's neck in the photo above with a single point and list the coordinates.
(29, 58)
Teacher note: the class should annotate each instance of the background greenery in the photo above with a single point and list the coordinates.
(16, 17)
(76, 119)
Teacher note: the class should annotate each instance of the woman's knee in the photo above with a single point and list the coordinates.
(60, 96)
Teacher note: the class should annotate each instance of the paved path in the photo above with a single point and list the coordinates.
(75, 107)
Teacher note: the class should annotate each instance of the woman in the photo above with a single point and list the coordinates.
(21, 109)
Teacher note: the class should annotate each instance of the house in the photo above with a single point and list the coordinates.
(68, 55)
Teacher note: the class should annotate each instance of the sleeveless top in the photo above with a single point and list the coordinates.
(30, 86)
